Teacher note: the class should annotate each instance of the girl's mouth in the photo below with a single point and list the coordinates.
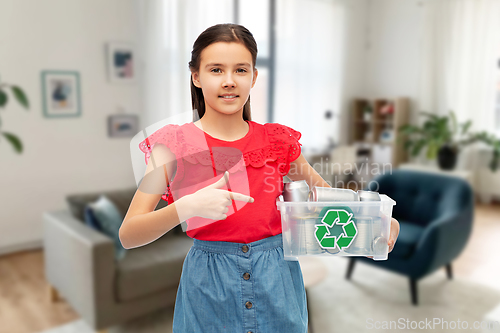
(229, 98)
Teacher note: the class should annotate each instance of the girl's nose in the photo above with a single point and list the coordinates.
(228, 82)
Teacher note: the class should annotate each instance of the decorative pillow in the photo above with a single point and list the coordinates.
(90, 219)
(109, 220)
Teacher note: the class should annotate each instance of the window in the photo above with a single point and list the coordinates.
(497, 104)
(255, 16)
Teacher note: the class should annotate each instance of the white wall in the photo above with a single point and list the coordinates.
(382, 56)
(393, 49)
(61, 155)
(354, 65)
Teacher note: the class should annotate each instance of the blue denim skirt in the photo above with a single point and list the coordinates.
(237, 287)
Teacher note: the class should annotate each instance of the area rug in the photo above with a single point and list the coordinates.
(375, 297)
(157, 322)
(372, 298)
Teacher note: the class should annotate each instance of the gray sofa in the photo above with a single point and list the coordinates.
(81, 267)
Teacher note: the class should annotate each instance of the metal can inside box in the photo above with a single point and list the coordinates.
(336, 222)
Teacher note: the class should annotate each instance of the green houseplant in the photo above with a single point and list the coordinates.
(444, 138)
(492, 141)
(21, 98)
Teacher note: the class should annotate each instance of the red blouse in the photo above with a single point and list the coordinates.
(256, 164)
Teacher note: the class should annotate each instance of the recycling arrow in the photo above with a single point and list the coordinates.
(341, 217)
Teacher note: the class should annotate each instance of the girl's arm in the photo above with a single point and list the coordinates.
(300, 169)
(142, 223)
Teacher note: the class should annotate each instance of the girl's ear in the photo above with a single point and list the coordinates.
(255, 73)
(196, 79)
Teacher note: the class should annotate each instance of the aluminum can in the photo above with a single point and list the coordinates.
(332, 194)
(305, 238)
(332, 251)
(296, 192)
(368, 223)
(362, 244)
(369, 196)
(323, 194)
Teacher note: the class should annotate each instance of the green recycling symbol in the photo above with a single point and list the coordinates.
(340, 217)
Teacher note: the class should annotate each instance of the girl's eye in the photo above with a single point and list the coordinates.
(215, 69)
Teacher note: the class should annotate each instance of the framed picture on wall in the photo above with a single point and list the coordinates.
(61, 93)
(121, 59)
(123, 125)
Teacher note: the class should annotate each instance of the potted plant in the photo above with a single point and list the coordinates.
(492, 141)
(444, 138)
(20, 96)
(367, 113)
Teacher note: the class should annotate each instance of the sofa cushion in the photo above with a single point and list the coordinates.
(121, 199)
(109, 221)
(151, 268)
(90, 219)
(409, 235)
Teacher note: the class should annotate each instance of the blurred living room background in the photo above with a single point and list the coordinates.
(403, 95)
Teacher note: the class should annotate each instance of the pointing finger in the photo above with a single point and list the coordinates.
(240, 197)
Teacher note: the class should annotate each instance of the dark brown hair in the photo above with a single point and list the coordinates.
(226, 32)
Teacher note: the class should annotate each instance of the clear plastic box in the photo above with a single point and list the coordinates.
(340, 228)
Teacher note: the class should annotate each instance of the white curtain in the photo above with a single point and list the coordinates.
(460, 52)
(308, 59)
(168, 29)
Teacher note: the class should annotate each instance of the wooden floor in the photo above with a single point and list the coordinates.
(479, 261)
(25, 305)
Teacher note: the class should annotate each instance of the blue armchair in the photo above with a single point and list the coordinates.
(435, 213)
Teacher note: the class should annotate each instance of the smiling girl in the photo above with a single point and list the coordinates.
(234, 277)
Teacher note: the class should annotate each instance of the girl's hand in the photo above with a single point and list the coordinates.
(211, 202)
(394, 233)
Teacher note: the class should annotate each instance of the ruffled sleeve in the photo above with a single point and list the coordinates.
(167, 135)
(285, 145)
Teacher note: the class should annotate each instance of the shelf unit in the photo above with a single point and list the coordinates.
(368, 134)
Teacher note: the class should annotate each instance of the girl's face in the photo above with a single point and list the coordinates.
(225, 68)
